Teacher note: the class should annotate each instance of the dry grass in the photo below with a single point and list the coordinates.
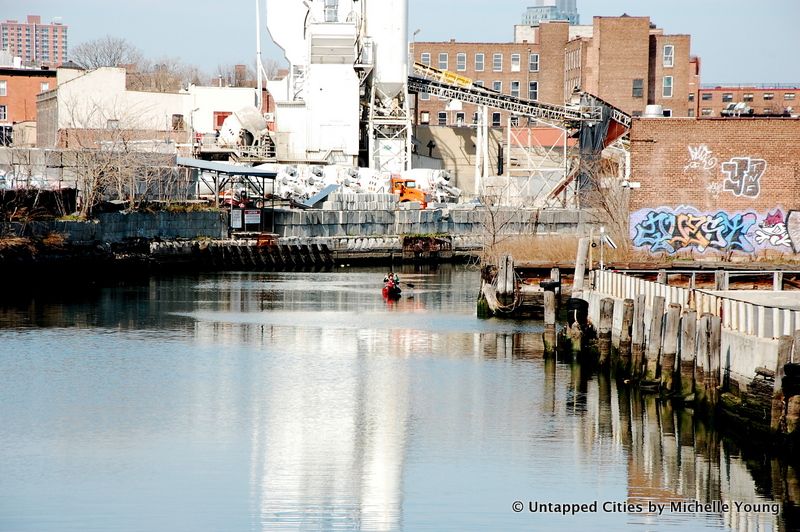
(55, 240)
(15, 243)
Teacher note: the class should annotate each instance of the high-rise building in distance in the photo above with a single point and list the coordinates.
(546, 10)
(34, 42)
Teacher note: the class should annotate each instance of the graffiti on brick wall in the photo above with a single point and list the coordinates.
(700, 158)
(773, 230)
(743, 176)
(672, 230)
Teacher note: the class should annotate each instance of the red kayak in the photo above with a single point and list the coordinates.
(391, 290)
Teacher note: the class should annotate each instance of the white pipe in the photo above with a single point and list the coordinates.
(259, 67)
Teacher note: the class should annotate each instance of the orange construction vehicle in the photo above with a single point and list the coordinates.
(407, 188)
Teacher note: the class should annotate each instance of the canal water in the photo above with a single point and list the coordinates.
(306, 401)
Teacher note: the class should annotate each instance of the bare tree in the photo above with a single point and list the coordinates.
(106, 51)
(167, 74)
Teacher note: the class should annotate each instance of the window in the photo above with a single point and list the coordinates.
(442, 118)
(497, 62)
(533, 90)
(478, 83)
(690, 113)
(425, 117)
(667, 113)
(706, 96)
(515, 121)
(3, 113)
(44, 86)
(769, 95)
(767, 110)
(533, 63)
(515, 62)
(425, 58)
(479, 60)
(331, 10)
(3, 88)
(666, 91)
(497, 86)
(669, 56)
(515, 89)
(638, 88)
(443, 61)
(461, 62)
(747, 97)
(460, 119)
(705, 111)
(178, 123)
(788, 96)
(495, 119)
(424, 96)
(112, 123)
(691, 96)
(475, 118)
(727, 96)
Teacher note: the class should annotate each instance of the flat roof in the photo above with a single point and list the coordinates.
(225, 168)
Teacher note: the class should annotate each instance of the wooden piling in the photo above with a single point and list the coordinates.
(549, 322)
(604, 332)
(654, 341)
(662, 277)
(688, 352)
(714, 352)
(701, 360)
(625, 337)
(777, 281)
(637, 340)
(580, 267)
(777, 416)
(555, 275)
(671, 335)
(505, 276)
(721, 280)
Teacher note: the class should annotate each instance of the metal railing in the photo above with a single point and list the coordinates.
(762, 321)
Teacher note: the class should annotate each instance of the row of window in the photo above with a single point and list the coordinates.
(637, 90)
(43, 86)
(747, 96)
(459, 117)
(497, 86)
(480, 62)
(3, 113)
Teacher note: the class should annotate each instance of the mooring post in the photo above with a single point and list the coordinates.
(549, 322)
(687, 353)
(701, 360)
(671, 335)
(505, 276)
(654, 342)
(662, 277)
(625, 337)
(776, 422)
(714, 351)
(580, 267)
(604, 333)
(637, 341)
(555, 275)
(721, 280)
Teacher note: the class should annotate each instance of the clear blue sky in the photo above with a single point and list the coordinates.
(739, 41)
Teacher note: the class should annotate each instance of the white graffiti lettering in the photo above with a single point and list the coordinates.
(700, 158)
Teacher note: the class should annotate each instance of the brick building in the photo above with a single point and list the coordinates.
(761, 99)
(34, 42)
(715, 186)
(18, 90)
(624, 60)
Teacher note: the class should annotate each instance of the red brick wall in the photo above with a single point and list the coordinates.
(622, 48)
(715, 185)
(22, 88)
(679, 103)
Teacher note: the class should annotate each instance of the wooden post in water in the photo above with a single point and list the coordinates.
(714, 351)
(654, 342)
(505, 276)
(662, 277)
(671, 334)
(721, 280)
(625, 337)
(549, 322)
(637, 341)
(604, 333)
(580, 267)
(777, 281)
(555, 275)
(777, 422)
(702, 359)
(688, 353)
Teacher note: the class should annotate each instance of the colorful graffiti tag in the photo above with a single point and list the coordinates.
(671, 230)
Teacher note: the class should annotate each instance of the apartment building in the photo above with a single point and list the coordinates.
(757, 99)
(34, 42)
(18, 90)
(625, 60)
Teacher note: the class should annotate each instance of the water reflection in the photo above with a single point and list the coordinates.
(307, 401)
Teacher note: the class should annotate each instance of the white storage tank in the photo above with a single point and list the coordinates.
(387, 26)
